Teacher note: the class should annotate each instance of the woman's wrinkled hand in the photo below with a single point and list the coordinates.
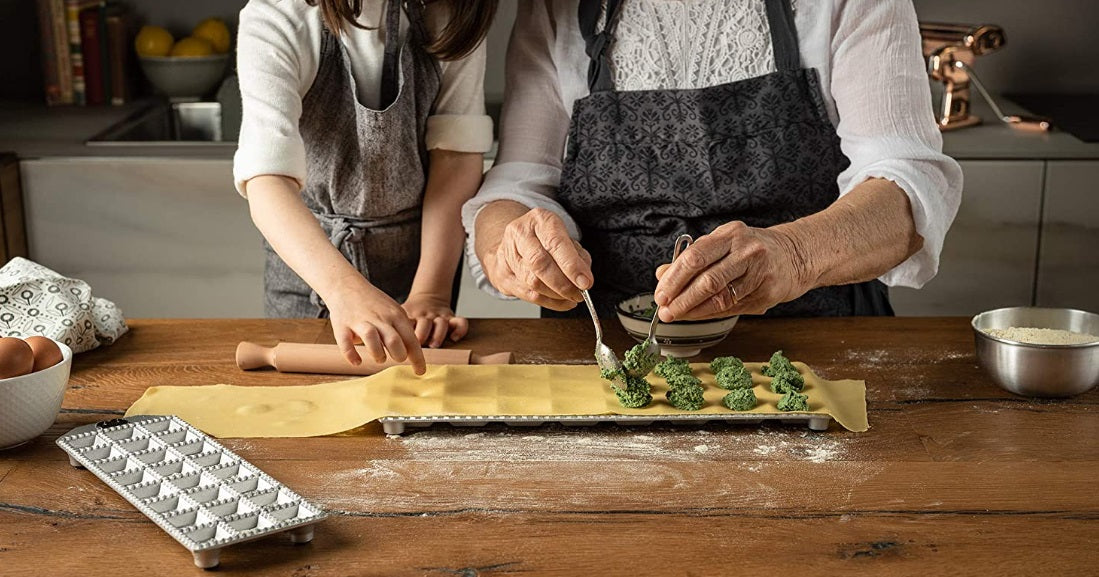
(538, 262)
(361, 312)
(734, 270)
(433, 319)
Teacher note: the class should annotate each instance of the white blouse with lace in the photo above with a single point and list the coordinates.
(866, 51)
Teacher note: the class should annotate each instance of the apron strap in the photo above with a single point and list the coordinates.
(391, 65)
(784, 35)
(597, 44)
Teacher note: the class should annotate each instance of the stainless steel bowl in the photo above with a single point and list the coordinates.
(1038, 370)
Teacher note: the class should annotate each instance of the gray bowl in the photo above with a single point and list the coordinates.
(1038, 370)
(185, 77)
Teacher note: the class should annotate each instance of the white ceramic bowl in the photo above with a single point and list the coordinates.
(29, 404)
(185, 77)
(678, 339)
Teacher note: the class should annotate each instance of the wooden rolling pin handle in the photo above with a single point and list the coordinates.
(493, 359)
(327, 359)
(251, 356)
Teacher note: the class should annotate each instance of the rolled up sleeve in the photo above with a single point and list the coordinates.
(886, 126)
(273, 71)
(532, 132)
(459, 123)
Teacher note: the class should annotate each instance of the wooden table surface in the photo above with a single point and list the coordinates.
(955, 476)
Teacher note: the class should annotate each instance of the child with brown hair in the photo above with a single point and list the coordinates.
(363, 134)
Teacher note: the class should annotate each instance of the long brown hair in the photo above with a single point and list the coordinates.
(465, 29)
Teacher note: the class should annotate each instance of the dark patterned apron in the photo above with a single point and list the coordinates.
(643, 167)
(367, 167)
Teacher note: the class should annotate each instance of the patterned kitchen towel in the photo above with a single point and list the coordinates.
(35, 300)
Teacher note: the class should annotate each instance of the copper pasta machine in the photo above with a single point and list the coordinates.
(950, 50)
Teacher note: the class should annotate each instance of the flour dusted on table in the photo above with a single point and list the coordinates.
(1035, 336)
(35, 300)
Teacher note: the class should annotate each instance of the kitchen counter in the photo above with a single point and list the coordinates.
(955, 474)
(36, 131)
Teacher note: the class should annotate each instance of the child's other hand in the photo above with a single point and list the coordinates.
(361, 312)
(434, 319)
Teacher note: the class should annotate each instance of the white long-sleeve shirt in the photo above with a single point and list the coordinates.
(278, 52)
(868, 54)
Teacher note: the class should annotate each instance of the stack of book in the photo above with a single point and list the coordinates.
(86, 53)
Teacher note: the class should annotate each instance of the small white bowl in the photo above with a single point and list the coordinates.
(185, 76)
(29, 404)
(678, 339)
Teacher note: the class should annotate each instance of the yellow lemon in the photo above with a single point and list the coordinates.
(215, 31)
(191, 46)
(153, 41)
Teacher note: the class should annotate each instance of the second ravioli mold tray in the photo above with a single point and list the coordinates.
(203, 495)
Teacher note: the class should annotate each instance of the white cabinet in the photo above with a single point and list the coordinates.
(1068, 271)
(164, 237)
(160, 237)
(990, 254)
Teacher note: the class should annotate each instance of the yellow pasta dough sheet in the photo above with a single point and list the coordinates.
(462, 390)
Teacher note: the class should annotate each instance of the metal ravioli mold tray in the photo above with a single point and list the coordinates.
(397, 425)
(203, 495)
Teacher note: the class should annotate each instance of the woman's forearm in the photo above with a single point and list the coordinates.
(280, 215)
(453, 178)
(863, 235)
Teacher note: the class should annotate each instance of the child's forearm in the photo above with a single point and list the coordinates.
(453, 178)
(297, 237)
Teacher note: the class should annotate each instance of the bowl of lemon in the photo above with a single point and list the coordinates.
(190, 67)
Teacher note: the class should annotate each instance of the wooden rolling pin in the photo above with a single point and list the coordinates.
(327, 359)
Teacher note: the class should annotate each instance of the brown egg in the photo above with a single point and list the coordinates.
(46, 353)
(16, 357)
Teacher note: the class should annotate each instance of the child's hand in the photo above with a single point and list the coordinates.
(434, 319)
(361, 312)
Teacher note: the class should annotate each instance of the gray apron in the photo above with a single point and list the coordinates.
(366, 168)
(643, 167)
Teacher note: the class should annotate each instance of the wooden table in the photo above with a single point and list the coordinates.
(955, 476)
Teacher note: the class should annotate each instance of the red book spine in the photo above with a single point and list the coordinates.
(118, 54)
(92, 56)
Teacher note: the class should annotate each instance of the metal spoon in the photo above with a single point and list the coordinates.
(653, 348)
(603, 354)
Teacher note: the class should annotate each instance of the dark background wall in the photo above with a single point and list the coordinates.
(1051, 45)
(20, 59)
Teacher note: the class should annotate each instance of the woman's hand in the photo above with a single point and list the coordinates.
(536, 260)
(361, 312)
(433, 319)
(736, 269)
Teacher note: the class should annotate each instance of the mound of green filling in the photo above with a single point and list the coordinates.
(683, 380)
(686, 397)
(721, 363)
(610, 375)
(671, 366)
(639, 362)
(778, 364)
(786, 382)
(793, 401)
(740, 400)
(734, 377)
(636, 394)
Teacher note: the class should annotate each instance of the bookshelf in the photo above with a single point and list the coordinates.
(21, 57)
